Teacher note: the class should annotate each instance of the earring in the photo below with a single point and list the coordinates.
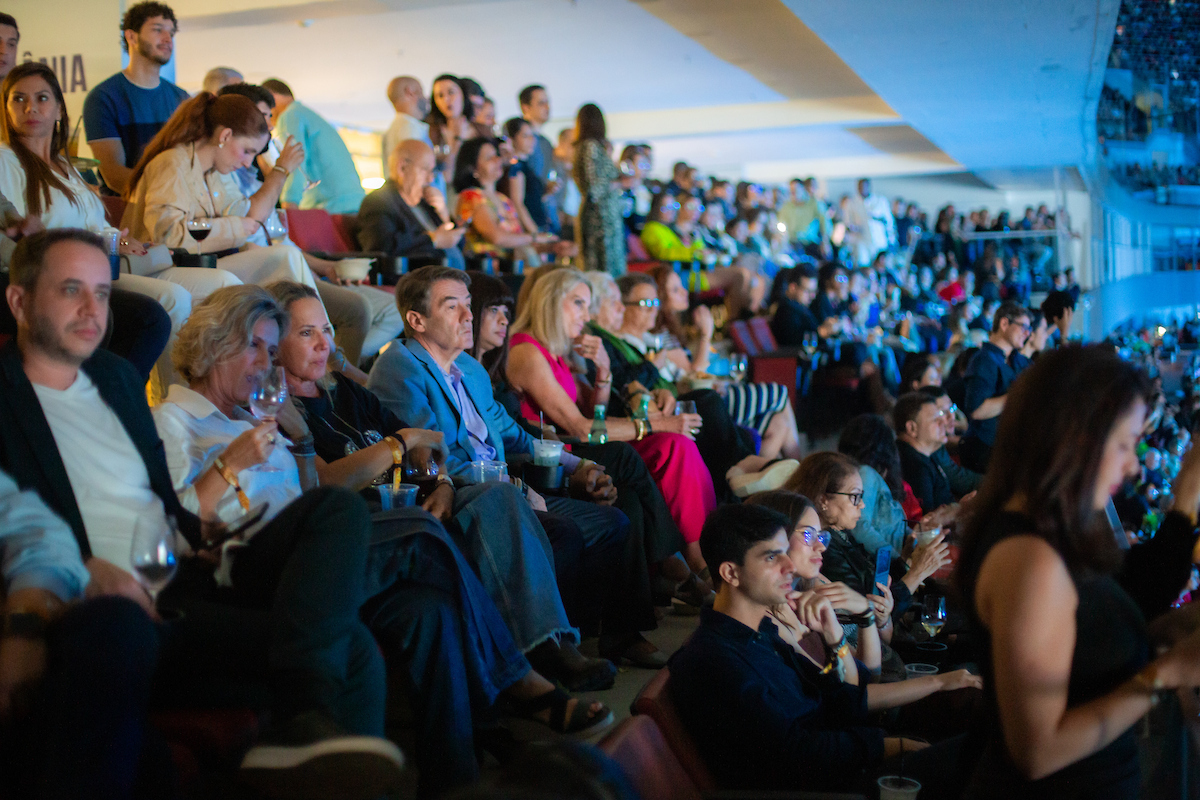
(220, 144)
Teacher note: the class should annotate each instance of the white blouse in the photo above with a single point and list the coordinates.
(195, 432)
(86, 212)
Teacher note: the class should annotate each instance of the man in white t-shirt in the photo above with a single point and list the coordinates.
(75, 427)
(407, 97)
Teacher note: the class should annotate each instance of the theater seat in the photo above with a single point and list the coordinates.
(216, 736)
(649, 769)
(654, 702)
(313, 231)
(770, 365)
(648, 761)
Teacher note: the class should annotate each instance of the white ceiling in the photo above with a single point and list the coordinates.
(756, 88)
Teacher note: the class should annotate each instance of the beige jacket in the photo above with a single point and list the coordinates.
(174, 189)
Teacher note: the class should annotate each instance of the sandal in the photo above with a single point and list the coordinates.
(582, 723)
(587, 675)
(634, 649)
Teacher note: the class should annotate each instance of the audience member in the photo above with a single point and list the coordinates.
(962, 480)
(920, 432)
(332, 179)
(10, 37)
(521, 183)
(886, 502)
(218, 78)
(804, 222)
(75, 427)
(766, 715)
(986, 384)
(793, 318)
(75, 674)
(535, 109)
(451, 125)
(123, 113)
(569, 197)
(493, 226)
(1059, 310)
(1052, 603)
(870, 226)
(600, 232)
(407, 216)
(408, 99)
(179, 179)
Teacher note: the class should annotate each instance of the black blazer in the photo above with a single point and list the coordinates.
(387, 225)
(29, 454)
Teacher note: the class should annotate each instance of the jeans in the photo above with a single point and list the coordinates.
(287, 631)
(594, 578)
(653, 534)
(86, 737)
(440, 631)
(497, 531)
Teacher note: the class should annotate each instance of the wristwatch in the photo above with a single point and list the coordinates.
(24, 625)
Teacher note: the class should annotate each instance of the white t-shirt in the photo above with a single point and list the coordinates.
(108, 476)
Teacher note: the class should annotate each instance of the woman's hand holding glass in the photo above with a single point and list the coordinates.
(128, 246)
(251, 448)
(686, 424)
(929, 558)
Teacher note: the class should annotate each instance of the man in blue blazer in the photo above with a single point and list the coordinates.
(429, 380)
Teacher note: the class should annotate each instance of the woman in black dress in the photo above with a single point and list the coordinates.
(1059, 618)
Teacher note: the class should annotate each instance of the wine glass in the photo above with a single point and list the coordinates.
(266, 398)
(423, 471)
(809, 343)
(152, 554)
(685, 407)
(737, 367)
(934, 615)
(199, 229)
(277, 226)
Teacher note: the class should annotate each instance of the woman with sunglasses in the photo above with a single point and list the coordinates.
(833, 482)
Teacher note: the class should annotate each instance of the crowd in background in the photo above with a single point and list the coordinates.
(208, 438)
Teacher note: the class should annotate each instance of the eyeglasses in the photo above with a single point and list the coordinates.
(856, 498)
(840, 279)
(948, 412)
(821, 536)
(649, 302)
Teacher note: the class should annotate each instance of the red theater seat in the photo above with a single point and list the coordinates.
(648, 761)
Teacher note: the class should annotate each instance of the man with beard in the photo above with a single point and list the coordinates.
(122, 114)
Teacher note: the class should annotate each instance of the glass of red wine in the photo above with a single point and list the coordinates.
(199, 230)
(423, 472)
(152, 554)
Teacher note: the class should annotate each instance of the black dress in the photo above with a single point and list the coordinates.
(1110, 647)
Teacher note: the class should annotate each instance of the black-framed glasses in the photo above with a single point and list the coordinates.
(649, 302)
(856, 498)
(811, 536)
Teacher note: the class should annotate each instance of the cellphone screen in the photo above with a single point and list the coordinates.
(883, 563)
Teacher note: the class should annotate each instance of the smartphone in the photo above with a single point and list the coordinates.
(883, 565)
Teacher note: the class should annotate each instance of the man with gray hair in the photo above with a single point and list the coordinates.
(218, 78)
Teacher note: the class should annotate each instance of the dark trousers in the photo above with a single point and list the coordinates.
(590, 594)
(84, 737)
(287, 631)
(653, 534)
(442, 636)
(138, 327)
(721, 441)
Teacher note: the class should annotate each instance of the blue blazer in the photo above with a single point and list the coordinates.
(411, 384)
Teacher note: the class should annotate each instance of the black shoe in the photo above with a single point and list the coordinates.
(576, 672)
(634, 649)
(310, 757)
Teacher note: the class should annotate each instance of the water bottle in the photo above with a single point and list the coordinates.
(643, 407)
(112, 243)
(599, 432)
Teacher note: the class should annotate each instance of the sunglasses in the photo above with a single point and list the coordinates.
(650, 302)
(856, 498)
(819, 536)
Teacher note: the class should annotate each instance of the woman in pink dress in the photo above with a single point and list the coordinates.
(548, 327)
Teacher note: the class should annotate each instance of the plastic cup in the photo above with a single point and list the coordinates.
(546, 452)
(893, 787)
(925, 537)
(917, 670)
(403, 495)
(489, 471)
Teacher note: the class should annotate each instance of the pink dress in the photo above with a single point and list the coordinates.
(671, 458)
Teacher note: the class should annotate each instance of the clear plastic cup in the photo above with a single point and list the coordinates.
(546, 452)
(403, 495)
(893, 787)
(489, 472)
(917, 670)
(925, 537)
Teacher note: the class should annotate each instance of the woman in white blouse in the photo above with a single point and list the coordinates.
(37, 177)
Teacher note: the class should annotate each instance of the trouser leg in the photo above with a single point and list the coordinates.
(385, 320)
(307, 566)
(88, 730)
(142, 323)
(350, 315)
(601, 581)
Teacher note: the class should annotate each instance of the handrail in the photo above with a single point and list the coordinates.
(1017, 234)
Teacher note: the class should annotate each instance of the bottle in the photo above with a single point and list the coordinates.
(599, 432)
(643, 407)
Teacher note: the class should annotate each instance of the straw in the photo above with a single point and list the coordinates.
(541, 425)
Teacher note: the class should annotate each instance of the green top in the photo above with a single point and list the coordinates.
(326, 159)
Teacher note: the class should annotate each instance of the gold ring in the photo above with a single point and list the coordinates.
(271, 439)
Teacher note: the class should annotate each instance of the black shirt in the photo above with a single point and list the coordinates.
(928, 480)
(989, 375)
(348, 419)
(763, 716)
(791, 321)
